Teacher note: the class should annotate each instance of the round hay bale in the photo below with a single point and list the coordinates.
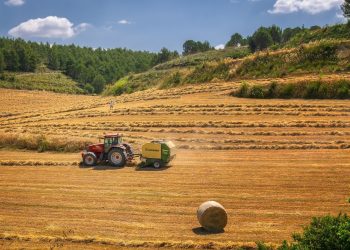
(212, 216)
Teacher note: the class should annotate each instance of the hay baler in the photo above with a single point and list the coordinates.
(118, 154)
(157, 153)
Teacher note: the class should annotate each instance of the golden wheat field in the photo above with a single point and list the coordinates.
(273, 164)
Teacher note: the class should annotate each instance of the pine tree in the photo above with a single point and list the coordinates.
(276, 34)
(346, 9)
(260, 40)
(236, 40)
(2, 62)
(11, 60)
(98, 83)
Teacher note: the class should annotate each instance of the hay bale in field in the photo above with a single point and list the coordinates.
(212, 216)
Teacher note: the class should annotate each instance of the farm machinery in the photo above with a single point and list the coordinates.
(117, 153)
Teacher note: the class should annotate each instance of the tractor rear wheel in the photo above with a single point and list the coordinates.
(90, 159)
(116, 157)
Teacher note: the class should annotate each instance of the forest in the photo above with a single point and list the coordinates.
(91, 68)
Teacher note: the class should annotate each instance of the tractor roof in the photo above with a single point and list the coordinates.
(112, 135)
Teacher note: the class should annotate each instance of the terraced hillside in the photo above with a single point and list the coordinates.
(233, 64)
(46, 80)
(273, 164)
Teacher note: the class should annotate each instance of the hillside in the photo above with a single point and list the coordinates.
(296, 50)
(91, 68)
(338, 31)
(327, 56)
(173, 73)
(46, 80)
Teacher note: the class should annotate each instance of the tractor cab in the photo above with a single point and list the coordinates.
(112, 140)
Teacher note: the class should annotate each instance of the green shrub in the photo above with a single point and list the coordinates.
(243, 90)
(312, 90)
(221, 71)
(325, 233)
(172, 81)
(272, 91)
(324, 91)
(262, 246)
(262, 66)
(287, 91)
(323, 52)
(308, 90)
(89, 88)
(343, 92)
(11, 78)
(207, 72)
(202, 73)
(42, 143)
(118, 88)
(257, 92)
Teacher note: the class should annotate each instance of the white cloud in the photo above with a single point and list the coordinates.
(124, 21)
(339, 16)
(108, 28)
(309, 6)
(48, 27)
(220, 46)
(14, 2)
(81, 27)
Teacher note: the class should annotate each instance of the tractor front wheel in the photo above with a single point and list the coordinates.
(89, 159)
(116, 157)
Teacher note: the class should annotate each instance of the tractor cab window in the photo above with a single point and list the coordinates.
(112, 141)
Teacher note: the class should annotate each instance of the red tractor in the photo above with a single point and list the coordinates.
(112, 150)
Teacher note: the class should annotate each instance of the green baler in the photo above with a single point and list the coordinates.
(158, 153)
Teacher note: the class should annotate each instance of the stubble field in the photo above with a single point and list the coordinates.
(274, 164)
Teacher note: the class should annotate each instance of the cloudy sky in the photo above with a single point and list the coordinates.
(153, 24)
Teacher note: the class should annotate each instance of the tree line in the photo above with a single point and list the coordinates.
(263, 37)
(91, 68)
(17, 55)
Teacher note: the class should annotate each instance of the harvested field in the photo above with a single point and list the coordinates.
(267, 196)
(273, 164)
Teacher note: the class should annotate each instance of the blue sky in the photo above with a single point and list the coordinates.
(153, 24)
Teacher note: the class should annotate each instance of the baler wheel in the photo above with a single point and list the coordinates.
(157, 164)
